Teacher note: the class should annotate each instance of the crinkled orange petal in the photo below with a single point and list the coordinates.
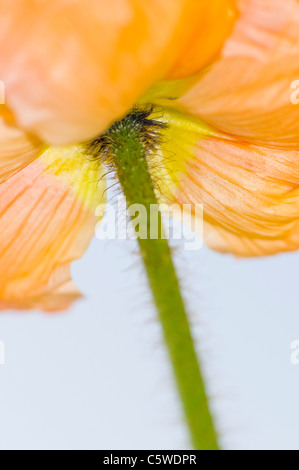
(247, 93)
(72, 67)
(17, 148)
(47, 219)
(250, 193)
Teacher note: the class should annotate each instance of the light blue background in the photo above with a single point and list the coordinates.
(97, 377)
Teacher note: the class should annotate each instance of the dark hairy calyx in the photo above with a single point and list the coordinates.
(138, 124)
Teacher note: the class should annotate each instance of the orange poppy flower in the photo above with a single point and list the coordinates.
(71, 68)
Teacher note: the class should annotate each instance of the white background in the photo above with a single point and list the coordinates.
(97, 377)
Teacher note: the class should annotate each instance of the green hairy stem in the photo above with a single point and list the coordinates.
(129, 153)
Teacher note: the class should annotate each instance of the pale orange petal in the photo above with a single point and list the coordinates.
(71, 67)
(205, 27)
(248, 92)
(17, 148)
(250, 193)
(47, 219)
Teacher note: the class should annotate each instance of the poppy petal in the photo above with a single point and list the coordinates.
(252, 90)
(17, 147)
(71, 68)
(209, 22)
(47, 219)
(250, 193)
